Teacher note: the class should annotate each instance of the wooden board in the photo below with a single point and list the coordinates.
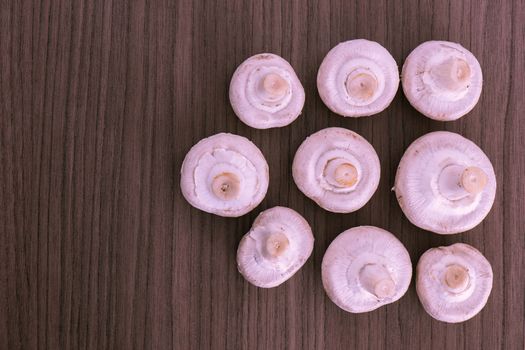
(101, 100)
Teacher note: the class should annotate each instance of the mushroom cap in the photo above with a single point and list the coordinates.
(264, 267)
(366, 68)
(439, 300)
(349, 253)
(228, 156)
(261, 111)
(313, 173)
(442, 80)
(417, 186)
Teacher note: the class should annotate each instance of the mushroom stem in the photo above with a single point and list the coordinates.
(274, 87)
(346, 174)
(473, 180)
(276, 244)
(341, 173)
(376, 280)
(456, 278)
(452, 74)
(226, 186)
(456, 181)
(361, 85)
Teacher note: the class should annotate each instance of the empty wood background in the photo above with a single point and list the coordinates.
(100, 101)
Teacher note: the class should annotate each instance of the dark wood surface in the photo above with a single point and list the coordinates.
(100, 101)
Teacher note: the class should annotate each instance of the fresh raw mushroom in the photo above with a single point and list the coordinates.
(337, 168)
(265, 92)
(224, 174)
(445, 183)
(365, 268)
(277, 246)
(358, 78)
(453, 283)
(442, 80)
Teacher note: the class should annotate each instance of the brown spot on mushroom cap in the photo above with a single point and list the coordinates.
(263, 56)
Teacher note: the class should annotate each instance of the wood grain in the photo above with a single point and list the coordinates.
(100, 101)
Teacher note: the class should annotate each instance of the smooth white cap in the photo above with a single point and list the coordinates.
(337, 168)
(453, 283)
(265, 92)
(224, 174)
(276, 247)
(424, 183)
(442, 80)
(365, 268)
(358, 78)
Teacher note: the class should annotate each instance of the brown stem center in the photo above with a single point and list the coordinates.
(457, 277)
(361, 86)
(473, 180)
(226, 186)
(276, 244)
(346, 175)
(275, 86)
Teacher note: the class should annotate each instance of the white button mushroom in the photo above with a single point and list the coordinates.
(442, 80)
(358, 78)
(453, 283)
(365, 268)
(277, 246)
(265, 92)
(445, 183)
(224, 174)
(337, 168)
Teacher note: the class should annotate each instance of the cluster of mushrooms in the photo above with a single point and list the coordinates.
(444, 183)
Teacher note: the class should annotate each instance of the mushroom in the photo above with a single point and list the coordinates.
(453, 283)
(358, 78)
(445, 183)
(224, 174)
(337, 168)
(265, 92)
(365, 268)
(442, 80)
(276, 247)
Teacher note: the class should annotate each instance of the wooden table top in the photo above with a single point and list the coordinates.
(101, 100)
